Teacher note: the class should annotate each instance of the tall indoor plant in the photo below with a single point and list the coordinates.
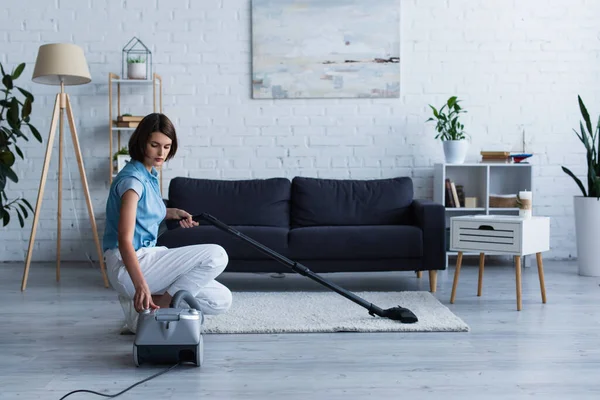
(14, 117)
(587, 206)
(451, 130)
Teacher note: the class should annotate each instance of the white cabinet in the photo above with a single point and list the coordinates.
(481, 180)
(504, 234)
(508, 234)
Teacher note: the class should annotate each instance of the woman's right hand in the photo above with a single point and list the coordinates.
(142, 300)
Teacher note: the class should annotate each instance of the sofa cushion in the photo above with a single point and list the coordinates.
(257, 202)
(327, 202)
(355, 242)
(236, 248)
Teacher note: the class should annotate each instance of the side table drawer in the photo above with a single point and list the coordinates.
(486, 236)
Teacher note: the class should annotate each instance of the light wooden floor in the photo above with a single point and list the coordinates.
(55, 338)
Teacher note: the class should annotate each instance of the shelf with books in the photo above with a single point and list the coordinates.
(122, 123)
(478, 182)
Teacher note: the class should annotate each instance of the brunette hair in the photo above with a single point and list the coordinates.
(155, 122)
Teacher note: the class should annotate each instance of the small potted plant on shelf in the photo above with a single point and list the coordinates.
(451, 130)
(587, 206)
(120, 159)
(136, 68)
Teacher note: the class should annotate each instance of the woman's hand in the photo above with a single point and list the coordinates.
(185, 218)
(142, 300)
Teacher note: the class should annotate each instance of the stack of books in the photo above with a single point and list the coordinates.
(455, 196)
(127, 121)
(502, 157)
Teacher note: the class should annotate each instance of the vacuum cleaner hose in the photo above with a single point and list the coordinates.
(187, 296)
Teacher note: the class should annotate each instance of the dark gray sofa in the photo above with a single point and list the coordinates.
(329, 225)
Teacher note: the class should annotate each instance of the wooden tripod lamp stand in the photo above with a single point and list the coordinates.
(61, 64)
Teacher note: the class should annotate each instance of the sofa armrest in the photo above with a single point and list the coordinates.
(431, 218)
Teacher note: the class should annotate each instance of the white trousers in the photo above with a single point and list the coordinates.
(192, 268)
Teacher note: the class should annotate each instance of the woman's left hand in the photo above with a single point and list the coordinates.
(185, 219)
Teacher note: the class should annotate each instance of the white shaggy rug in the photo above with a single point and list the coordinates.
(281, 312)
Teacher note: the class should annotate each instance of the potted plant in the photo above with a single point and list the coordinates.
(451, 131)
(14, 117)
(587, 206)
(136, 68)
(120, 158)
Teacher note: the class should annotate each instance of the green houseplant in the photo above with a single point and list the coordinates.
(450, 130)
(14, 117)
(122, 152)
(587, 206)
(588, 137)
(120, 158)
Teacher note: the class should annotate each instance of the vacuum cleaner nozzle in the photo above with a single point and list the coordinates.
(400, 314)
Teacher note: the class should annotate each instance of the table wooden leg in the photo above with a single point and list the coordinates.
(432, 280)
(540, 265)
(456, 274)
(518, 276)
(480, 281)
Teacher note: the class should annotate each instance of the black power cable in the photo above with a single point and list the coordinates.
(123, 391)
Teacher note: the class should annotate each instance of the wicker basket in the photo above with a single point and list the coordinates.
(503, 201)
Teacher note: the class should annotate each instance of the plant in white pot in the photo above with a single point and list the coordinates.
(587, 206)
(136, 68)
(451, 131)
(121, 158)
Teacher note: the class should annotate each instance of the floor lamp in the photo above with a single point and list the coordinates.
(61, 64)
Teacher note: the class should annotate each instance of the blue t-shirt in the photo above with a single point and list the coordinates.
(150, 212)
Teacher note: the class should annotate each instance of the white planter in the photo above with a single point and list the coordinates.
(136, 70)
(122, 160)
(455, 151)
(587, 230)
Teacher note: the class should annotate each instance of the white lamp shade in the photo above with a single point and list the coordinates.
(61, 62)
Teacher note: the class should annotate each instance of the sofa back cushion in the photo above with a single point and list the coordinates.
(318, 202)
(253, 202)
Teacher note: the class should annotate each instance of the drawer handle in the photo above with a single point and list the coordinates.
(486, 227)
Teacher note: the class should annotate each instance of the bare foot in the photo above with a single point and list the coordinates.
(162, 300)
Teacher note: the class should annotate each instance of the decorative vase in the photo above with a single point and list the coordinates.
(136, 70)
(455, 151)
(587, 231)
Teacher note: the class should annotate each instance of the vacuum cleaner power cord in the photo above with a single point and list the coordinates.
(112, 396)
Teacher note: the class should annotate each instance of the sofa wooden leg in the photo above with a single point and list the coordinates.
(432, 280)
(419, 274)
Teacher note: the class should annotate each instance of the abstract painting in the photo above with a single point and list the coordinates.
(325, 49)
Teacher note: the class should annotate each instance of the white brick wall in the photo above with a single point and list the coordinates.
(517, 65)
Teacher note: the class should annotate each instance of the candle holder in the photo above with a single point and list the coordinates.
(524, 202)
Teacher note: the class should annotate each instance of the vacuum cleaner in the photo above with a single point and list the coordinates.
(398, 313)
(170, 335)
(166, 336)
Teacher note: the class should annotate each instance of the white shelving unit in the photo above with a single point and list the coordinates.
(114, 131)
(480, 180)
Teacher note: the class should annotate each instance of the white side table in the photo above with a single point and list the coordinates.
(511, 235)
